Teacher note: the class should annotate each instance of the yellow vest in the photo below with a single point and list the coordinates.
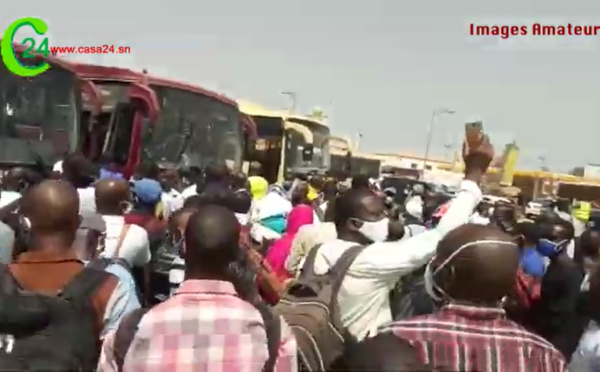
(582, 211)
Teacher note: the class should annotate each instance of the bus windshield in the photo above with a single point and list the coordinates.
(42, 111)
(321, 158)
(195, 129)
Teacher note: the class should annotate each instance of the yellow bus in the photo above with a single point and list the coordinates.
(288, 143)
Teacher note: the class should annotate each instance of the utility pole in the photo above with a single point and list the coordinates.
(292, 97)
(430, 131)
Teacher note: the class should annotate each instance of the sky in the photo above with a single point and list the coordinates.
(379, 67)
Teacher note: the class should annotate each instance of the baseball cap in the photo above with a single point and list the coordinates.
(147, 190)
(106, 174)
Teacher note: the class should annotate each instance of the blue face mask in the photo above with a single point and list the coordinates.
(551, 249)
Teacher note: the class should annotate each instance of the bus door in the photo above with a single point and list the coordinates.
(124, 137)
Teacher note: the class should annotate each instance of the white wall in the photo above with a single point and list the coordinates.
(591, 171)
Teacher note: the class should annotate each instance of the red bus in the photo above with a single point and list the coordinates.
(39, 116)
(172, 123)
(126, 114)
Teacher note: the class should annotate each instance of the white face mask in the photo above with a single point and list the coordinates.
(430, 285)
(377, 231)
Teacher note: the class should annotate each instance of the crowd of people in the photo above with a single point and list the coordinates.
(313, 276)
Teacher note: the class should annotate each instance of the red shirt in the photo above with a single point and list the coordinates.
(468, 338)
(153, 225)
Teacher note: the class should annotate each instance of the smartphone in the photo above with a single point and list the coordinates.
(474, 133)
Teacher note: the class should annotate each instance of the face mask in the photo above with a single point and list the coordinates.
(551, 249)
(377, 231)
(431, 286)
(127, 207)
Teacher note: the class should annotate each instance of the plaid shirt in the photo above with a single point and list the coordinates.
(205, 326)
(465, 338)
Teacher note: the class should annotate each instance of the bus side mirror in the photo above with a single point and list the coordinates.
(307, 152)
(348, 162)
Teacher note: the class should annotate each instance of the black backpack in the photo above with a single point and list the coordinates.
(310, 307)
(52, 333)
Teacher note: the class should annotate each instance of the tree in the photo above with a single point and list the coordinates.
(577, 171)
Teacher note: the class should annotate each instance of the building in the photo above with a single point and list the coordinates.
(409, 161)
(591, 171)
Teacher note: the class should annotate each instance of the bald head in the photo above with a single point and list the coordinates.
(52, 206)
(478, 264)
(110, 195)
(211, 240)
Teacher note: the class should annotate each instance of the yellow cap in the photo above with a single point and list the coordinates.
(258, 187)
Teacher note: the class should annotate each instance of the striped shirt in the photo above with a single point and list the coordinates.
(176, 274)
(466, 338)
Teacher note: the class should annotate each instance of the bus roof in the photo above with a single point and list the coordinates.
(95, 72)
(255, 109)
(88, 71)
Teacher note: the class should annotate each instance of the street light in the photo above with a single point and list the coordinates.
(292, 96)
(430, 130)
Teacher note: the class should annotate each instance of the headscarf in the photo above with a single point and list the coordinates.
(278, 253)
(258, 187)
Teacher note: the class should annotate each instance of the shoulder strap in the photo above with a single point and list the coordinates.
(308, 269)
(8, 283)
(125, 334)
(273, 329)
(99, 263)
(122, 262)
(84, 284)
(341, 266)
(122, 236)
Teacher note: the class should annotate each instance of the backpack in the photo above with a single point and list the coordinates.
(129, 326)
(56, 333)
(310, 307)
(101, 263)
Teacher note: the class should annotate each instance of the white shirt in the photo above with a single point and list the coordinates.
(58, 167)
(176, 274)
(587, 356)
(414, 206)
(364, 295)
(259, 233)
(135, 248)
(7, 197)
(87, 200)
(172, 201)
(189, 191)
(412, 230)
(271, 205)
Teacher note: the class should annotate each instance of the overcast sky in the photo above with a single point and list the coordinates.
(380, 66)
